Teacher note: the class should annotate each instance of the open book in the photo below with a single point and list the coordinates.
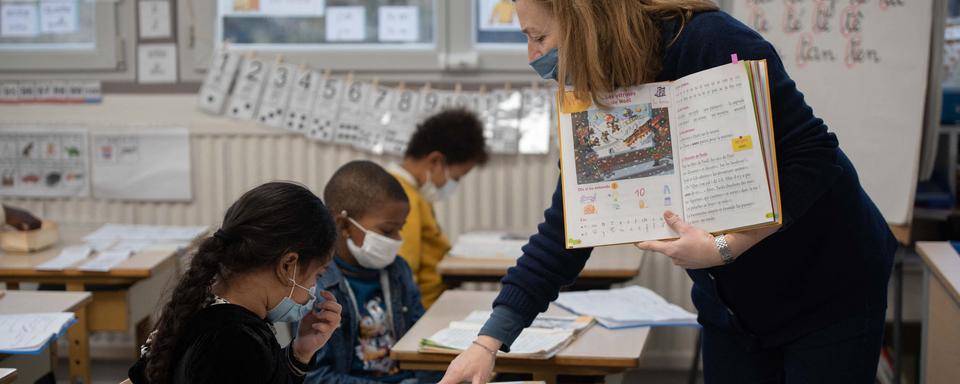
(701, 146)
(30, 333)
(542, 340)
(627, 307)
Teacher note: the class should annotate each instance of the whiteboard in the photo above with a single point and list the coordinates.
(862, 66)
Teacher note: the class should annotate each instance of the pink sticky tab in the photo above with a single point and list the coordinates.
(734, 58)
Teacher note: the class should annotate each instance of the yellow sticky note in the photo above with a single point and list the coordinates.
(742, 143)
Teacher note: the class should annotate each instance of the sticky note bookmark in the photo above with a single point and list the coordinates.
(734, 59)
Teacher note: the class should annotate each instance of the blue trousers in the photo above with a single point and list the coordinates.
(846, 352)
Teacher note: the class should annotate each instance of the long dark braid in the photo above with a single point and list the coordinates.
(266, 223)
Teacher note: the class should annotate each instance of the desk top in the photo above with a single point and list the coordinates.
(13, 302)
(944, 263)
(596, 347)
(604, 263)
(23, 265)
(8, 375)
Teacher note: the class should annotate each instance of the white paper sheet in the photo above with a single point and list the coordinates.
(58, 16)
(155, 21)
(67, 258)
(145, 165)
(633, 304)
(399, 23)
(485, 245)
(19, 19)
(346, 23)
(105, 261)
(157, 63)
(30, 332)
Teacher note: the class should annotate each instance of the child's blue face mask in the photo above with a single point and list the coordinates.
(546, 65)
(287, 310)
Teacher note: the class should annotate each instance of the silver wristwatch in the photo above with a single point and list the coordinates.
(725, 253)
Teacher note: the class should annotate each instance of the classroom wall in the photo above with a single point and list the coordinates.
(230, 157)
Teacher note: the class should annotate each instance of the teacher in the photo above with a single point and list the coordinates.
(799, 303)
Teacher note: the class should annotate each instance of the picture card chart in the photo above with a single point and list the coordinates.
(246, 96)
(216, 86)
(305, 87)
(326, 110)
(44, 162)
(143, 164)
(276, 96)
(863, 67)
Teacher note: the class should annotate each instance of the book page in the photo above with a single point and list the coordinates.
(618, 167)
(724, 179)
(30, 331)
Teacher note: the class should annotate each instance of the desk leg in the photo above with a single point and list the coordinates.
(545, 376)
(78, 335)
(897, 317)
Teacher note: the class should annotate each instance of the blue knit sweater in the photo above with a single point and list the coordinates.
(830, 260)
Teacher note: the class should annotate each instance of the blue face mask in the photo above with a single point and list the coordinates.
(288, 311)
(546, 65)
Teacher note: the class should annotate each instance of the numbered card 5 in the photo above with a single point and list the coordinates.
(276, 95)
(305, 86)
(216, 86)
(326, 110)
(403, 121)
(379, 115)
(536, 121)
(352, 115)
(246, 95)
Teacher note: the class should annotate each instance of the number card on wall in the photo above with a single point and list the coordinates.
(216, 86)
(305, 88)
(39, 162)
(535, 121)
(506, 131)
(379, 114)
(429, 103)
(146, 164)
(352, 114)
(246, 95)
(403, 121)
(276, 95)
(326, 110)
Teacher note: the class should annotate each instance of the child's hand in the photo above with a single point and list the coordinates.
(316, 328)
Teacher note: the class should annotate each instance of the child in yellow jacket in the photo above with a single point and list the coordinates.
(444, 148)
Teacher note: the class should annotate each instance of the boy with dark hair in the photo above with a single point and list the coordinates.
(444, 148)
(380, 300)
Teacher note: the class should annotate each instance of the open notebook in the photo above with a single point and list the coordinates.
(632, 306)
(542, 340)
(30, 333)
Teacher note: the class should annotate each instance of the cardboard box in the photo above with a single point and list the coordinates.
(30, 241)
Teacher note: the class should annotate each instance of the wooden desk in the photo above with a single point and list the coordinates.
(8, 375)
(940, 353)
(136, 285)
(604, 268)
(597, 351)
(13, 302)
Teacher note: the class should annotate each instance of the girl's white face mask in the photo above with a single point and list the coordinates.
(432, 193)
(377, 251)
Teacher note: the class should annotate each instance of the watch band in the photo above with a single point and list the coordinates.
(725, 253)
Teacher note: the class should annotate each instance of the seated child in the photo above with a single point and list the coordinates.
(257, 269)
(381, 301)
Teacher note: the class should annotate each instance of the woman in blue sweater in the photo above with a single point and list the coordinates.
(801, 303)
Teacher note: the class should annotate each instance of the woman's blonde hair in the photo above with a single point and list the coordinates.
(609, 44)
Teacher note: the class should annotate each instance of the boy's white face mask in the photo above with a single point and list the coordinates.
(377, 251)
(432, 193)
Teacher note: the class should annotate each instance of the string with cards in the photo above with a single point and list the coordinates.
(366, 114)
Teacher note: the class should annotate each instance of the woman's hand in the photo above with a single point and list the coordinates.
(475, 365)
(694, 249)
(316, 328)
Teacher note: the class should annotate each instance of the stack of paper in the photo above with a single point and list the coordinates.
(488, 245)
(29, 333)
(105, 261)
(146, 233)
(542, 340)
(632, 306)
